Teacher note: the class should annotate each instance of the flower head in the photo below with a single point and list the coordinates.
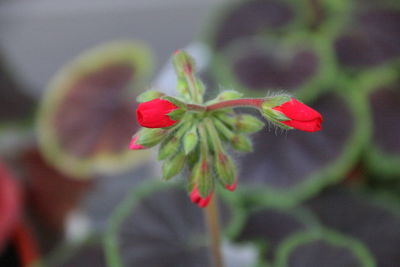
(154, 113)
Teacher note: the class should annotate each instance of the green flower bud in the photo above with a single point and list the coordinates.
(225, 168)
(168, 148)
(190, 140)
(183, 63)
(248, 124)
(149, 137)
(173, 165)
(202, 176)
(242, 143)
(148, 96)
(182, 88)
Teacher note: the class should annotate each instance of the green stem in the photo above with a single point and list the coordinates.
(215, 139)
(212, 220)
(193, 88)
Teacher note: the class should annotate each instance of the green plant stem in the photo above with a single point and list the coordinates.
(212, 220)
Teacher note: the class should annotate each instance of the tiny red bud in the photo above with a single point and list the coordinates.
(134, 146)
(232, 187)
(301, 116)
(197, 199)
(154, 113)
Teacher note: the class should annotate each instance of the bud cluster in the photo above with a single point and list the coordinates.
(195, 135)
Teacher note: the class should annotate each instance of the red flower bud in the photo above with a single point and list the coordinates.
(197, 199)
(232, 187)
(154, 113)
(301, 116)
(134, 146)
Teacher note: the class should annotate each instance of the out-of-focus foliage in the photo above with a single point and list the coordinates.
(318, 199)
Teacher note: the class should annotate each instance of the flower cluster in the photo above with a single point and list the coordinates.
(195, 134)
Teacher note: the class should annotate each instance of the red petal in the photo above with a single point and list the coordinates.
(153, 114)
(197, 199)
(134, 146)
(308, 126)
(298, 111)
(231, 187)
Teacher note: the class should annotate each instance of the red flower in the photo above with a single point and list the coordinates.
(153, 114)
(197, 199)
(301, 116)
(134, 146)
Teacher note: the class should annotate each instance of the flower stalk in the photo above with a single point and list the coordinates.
(211, 215)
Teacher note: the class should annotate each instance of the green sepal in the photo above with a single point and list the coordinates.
(202, 176)
(173, 166)
(149, 137)
(175, 101)
(168, 148)
(273, 115)
(225, 168)
(148, 96)
(248, 124)
(177, 114)
(190, 140)
(242, 143)
(274, 101)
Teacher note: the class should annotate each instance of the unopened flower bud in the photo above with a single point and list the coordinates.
(135, 146)
(174, 165)
(225, 168)
(154, 113)
(289, 113)
(196, 198)
(150, 137)
(148, 96)
(232, 187)
(241, 143)
(202, 177)
(168, 148)
(183, 63)
(190, 140)
(248, 124)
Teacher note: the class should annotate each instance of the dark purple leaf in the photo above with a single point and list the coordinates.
(271, 225)
(372, 38)
(163, 228)
(299, 163)
(87, 118)
(385, 104)
(250, 18)
(373, 222)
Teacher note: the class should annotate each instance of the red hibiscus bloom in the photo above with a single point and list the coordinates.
(301, 116)
(154, 113)
(199, 200)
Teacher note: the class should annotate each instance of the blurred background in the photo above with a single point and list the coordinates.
(71, 194)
